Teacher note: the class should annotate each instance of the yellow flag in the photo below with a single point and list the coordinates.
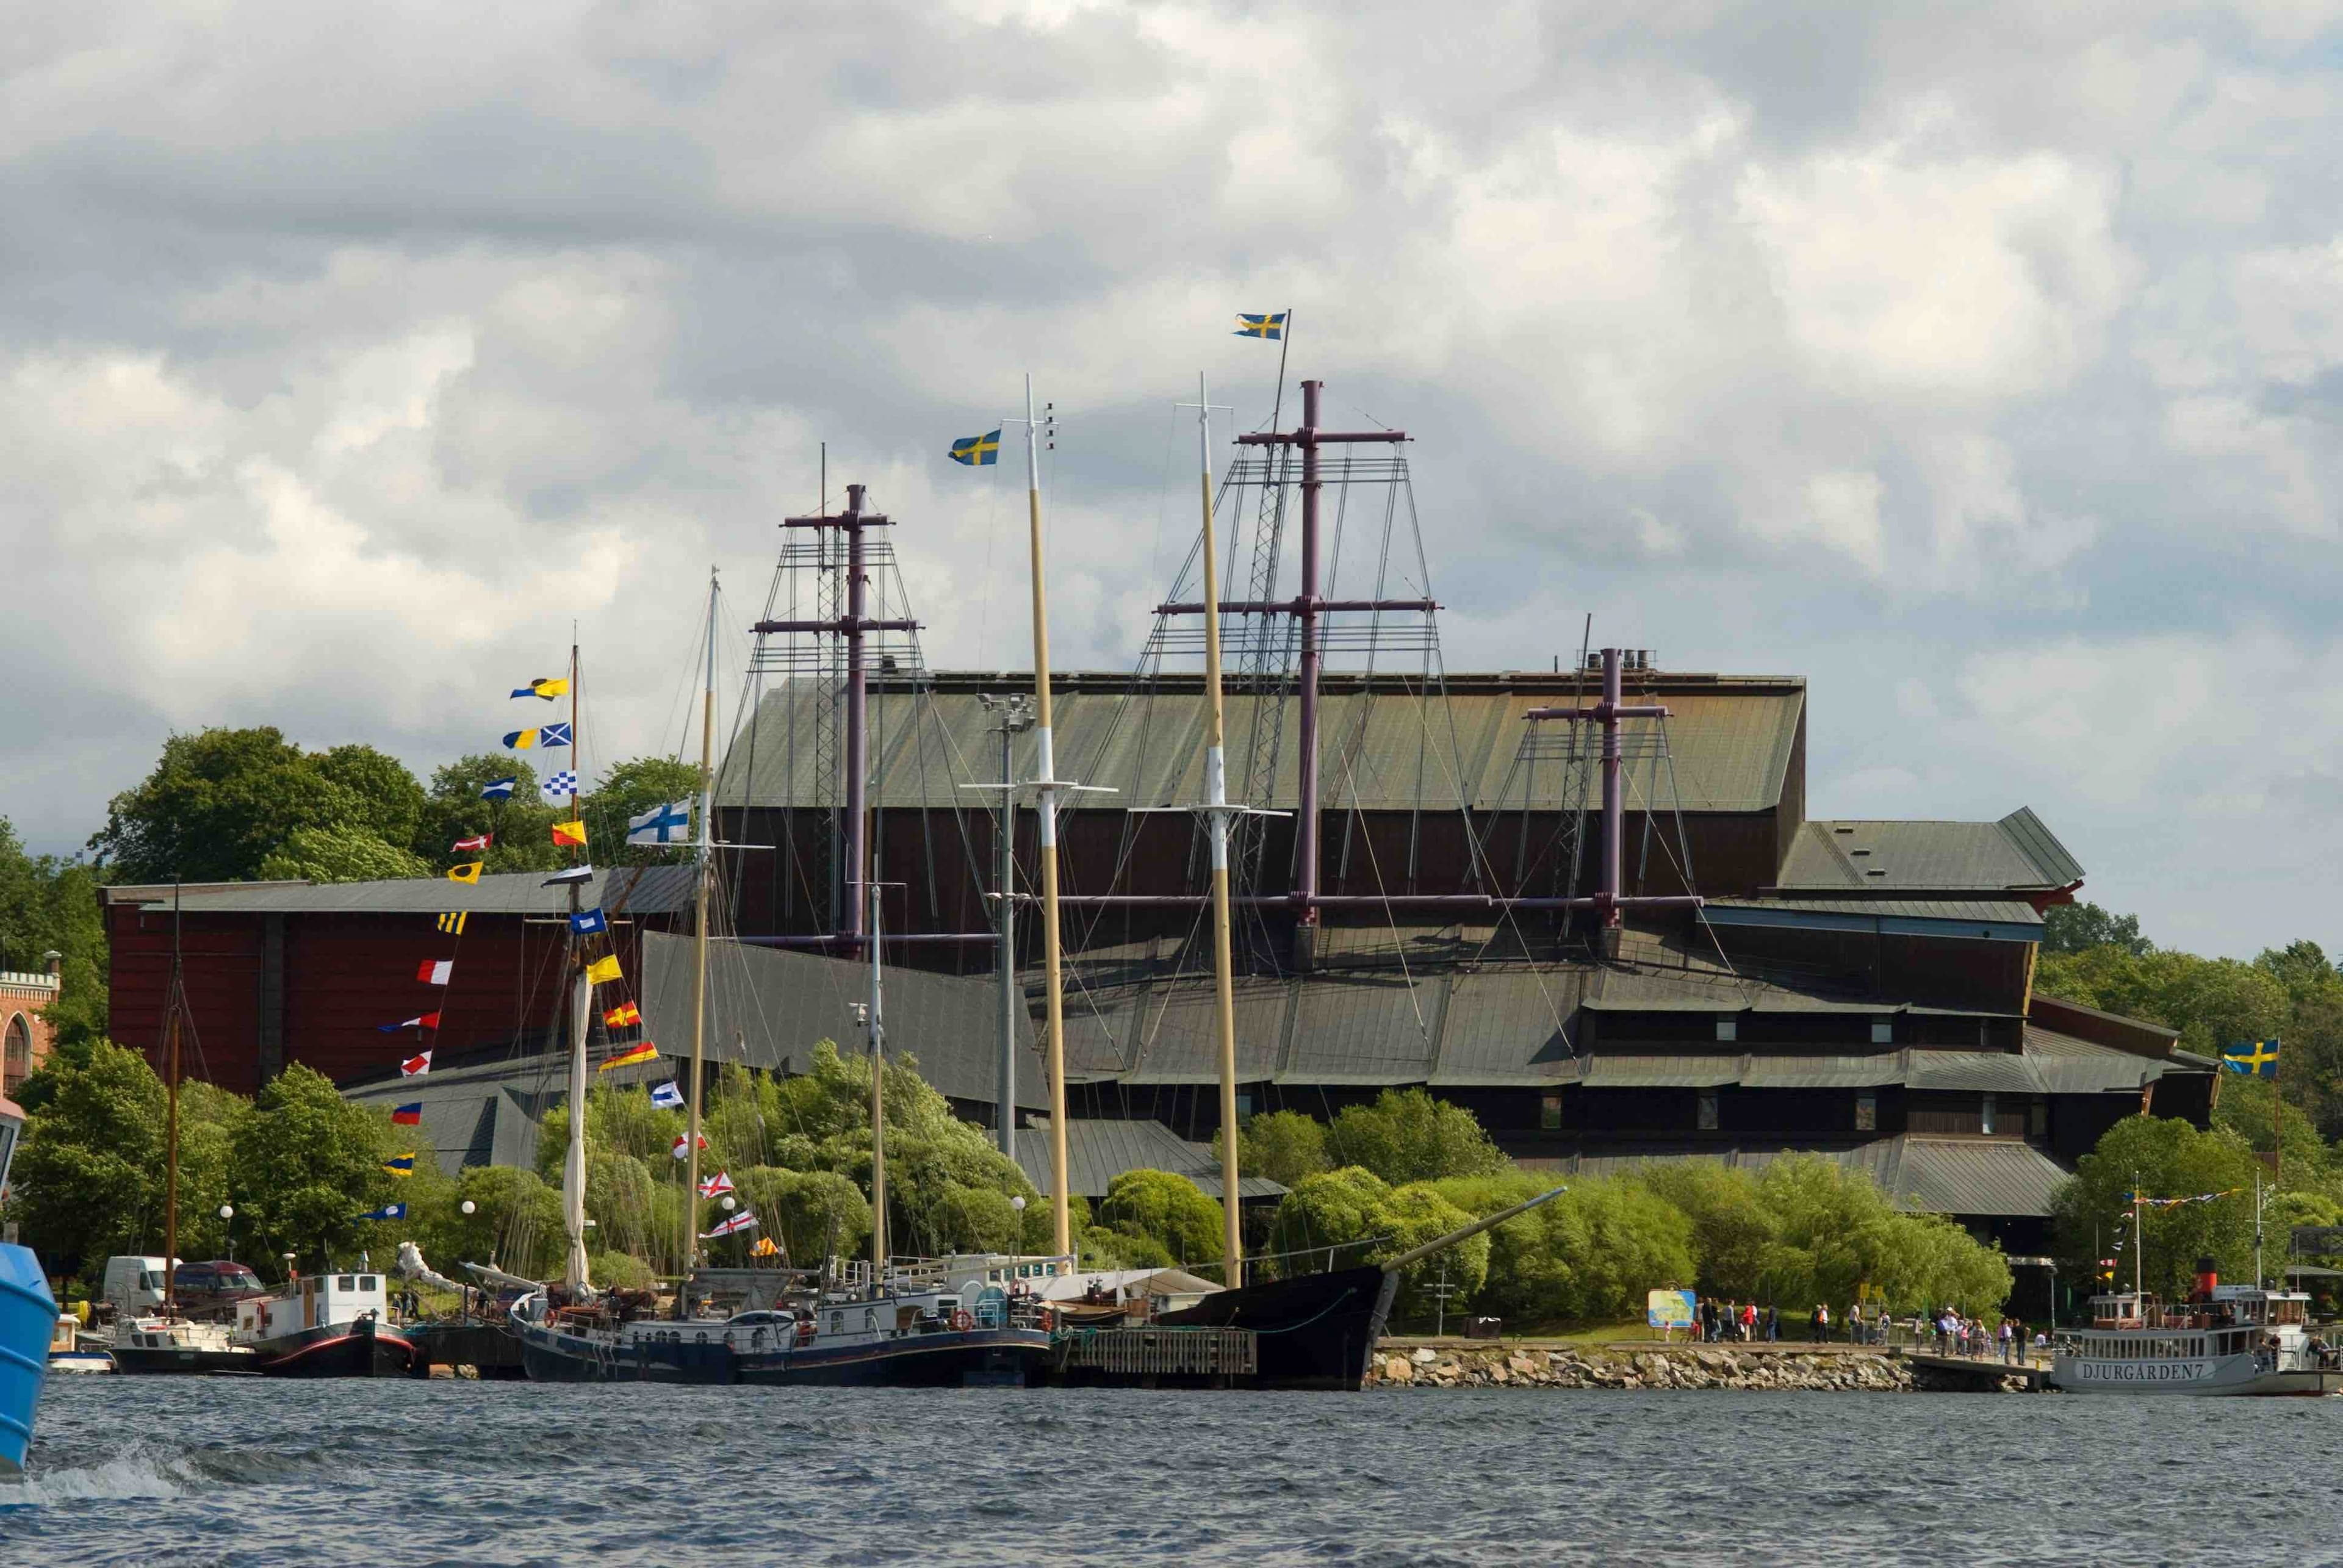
(470, 871)
(570, 833)
(603, 968)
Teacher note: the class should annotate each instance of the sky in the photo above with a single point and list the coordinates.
(1981, 364)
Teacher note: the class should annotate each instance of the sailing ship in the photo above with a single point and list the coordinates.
(936, 1322)
(170, 1340)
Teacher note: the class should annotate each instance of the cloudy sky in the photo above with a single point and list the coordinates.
(1981, 362)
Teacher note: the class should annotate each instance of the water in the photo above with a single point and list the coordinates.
(194, 1473)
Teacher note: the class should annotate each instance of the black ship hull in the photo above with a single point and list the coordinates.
(1312, 1333)
(336, 1350)
(179, 1361)
(491, 1353)
(979, 1356)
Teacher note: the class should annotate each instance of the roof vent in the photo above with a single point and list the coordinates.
(1876, 872)
(1842, 830)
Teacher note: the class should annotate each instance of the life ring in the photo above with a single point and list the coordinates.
(961, 1322)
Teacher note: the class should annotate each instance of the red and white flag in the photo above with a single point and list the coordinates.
(429, 1020)
(414, 1066)
(743, 1220)
(716, 1186)
(683, 1145)
(436, 971)
(477, 841)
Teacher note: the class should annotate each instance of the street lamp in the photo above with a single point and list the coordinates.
(469, 1207)
(227, 1213)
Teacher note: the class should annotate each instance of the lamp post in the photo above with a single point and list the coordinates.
(228, 1218)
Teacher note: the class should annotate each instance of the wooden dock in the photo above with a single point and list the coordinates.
(1975, 1371)
(1173, 1354)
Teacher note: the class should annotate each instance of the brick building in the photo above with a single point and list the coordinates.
(24, 1031)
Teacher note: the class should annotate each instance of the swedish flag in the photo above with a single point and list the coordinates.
(978, 451)
(2256, 1060)
(1269, 327)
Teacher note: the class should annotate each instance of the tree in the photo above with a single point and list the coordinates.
(214, 806)
(1410, 1216)
(1327, 1211)
(1589, 1255)
(338, 854)
(2077, 927)
(307, 1164)
(2163, 1157)
(1406, 1135)
(811, 1214)
(1166, 1210)
(48, 905)
(1731, 1230)
(1282, 1145)
(88, 1182)
(452, 808)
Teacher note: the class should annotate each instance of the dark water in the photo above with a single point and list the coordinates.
(192, 1472)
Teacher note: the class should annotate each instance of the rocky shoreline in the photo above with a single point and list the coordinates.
(1394, 1366)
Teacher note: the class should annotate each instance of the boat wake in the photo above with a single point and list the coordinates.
(152, 1471)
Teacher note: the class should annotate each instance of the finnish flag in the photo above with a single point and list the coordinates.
(667, 1096)
(668, 824)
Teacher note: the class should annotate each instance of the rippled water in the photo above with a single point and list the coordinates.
(191, 1472)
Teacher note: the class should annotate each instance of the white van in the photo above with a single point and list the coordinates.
(134, 1286)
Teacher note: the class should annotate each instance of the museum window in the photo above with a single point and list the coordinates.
(1550, 1113)
(1883, 1031)
(1866, 1112)
(1985, 1116)
(15, 1055)
(1728, 1028)
(1708, 1111)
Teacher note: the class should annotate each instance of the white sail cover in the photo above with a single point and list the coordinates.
(411, 1266)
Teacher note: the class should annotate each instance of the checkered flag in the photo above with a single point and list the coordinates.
(562, 786)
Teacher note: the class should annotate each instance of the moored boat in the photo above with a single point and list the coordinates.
(2228, 1339)
(28, 1315)
(68, 1354)
(323, 1325)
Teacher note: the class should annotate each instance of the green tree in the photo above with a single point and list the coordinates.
(49, 905)
(1166, 1210)
(1282, 1145)
(2164, 1157)
(306, 1164)
(810, 1214)
(1406, 1135)
(338, 854)
(2077, 928)
(217, 803)
(1329, 1211)
(452, 808)
(1410, 1216)
(1731, 1230)
(1589, 1255)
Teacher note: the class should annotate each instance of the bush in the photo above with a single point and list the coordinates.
(1284, 1146)
(1169, 1211)
(1326, 1210)
(1589, 1255)
(1406, 1135)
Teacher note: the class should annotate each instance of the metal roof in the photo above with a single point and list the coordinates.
(2015, 853)
(483, 1114)
(1098, 1150)
(638, 889)
(1384, 746)
(1981, 1177)
(1976, 920)
(769, 1007)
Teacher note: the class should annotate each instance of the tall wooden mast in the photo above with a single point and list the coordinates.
(171, 1123)
(699, 929)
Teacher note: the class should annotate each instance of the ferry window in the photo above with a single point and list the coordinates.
(368, 1283)
(1984, 1115)
(1550, 1113)
(1708, 1111)
(346, 1283)
(1728, 1028)
(1866, 1112)
(838, 1322)
(1883, 1031)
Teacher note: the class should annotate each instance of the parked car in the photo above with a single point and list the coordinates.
(206, 1289)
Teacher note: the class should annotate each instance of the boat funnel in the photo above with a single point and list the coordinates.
(2207, 1276)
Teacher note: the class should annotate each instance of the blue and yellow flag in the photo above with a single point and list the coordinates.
(401, 1164)
(2257, 1059)
(1269, 327)
(546, 687)
(978, 451)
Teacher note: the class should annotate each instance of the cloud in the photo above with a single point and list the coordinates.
(1982, 366)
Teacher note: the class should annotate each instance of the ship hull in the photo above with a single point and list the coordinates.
(1311, 1332)
(2246, 1376)
(980, 1356)
(28, 1315)
(180, 1361)
(336, 1350)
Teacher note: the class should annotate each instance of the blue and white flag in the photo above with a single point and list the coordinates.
(553, 735)
(668, 824)
(562, 786)
(499, 789)
(588, 923)
(387, 1212)
(667, 1096)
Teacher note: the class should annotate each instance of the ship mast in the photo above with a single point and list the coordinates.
(1217, 810)
(573, 1163)
(699, 930)
(1046, 785)
(171, 1125)
(875, 1022)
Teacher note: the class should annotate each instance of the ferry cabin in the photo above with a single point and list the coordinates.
(2234, 1320)
(315, 1301)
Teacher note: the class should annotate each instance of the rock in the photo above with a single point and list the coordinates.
(1398, 1369)
(1425, 1357)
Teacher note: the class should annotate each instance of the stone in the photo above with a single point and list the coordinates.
(1424, 1357)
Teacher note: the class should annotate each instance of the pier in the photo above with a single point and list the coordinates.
(1974, 1372)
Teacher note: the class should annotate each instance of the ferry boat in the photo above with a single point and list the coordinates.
(2228, 1339)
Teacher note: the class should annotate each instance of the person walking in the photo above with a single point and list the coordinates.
(1773, 1325)
(1749, 1322)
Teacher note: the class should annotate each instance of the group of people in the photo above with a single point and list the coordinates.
(1957, 1335)
(1743, 1322)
